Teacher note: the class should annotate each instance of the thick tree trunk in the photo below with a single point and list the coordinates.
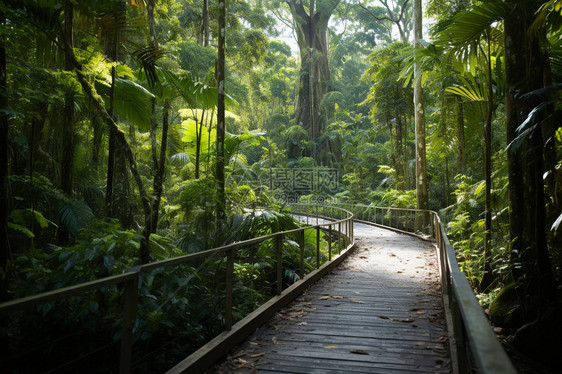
(524, 64)
(67, 133)
(419, 109)
(314, 70)
(4, 243)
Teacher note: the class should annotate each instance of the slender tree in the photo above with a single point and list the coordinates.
(158, 161)
(419, 110)
(67, 133)
(4, 243)
(221, 124)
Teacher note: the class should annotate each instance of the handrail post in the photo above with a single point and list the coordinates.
(317, 247)
(339, 237)
(279, 256)
(229, 286)
(301, 245)
(129, 319)
(330, 243)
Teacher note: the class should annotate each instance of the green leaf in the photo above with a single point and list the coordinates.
(21, 229)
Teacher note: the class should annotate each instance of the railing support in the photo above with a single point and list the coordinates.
(129, 318)
(330, 243)
(279, 257)
(317, 247)
(229, 286)
(301, 246)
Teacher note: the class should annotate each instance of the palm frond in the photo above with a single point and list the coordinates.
(74, 215)
(132, 102)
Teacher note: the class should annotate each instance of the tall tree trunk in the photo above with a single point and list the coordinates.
(118, 189)
(205, 24)
(487, 277)
(419, 109)
(4, 242)
(221, 124)
(314, 71)
(67, 133)
(159, 177)
(524, 66)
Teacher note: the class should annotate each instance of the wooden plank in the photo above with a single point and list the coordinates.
(369, 305)
(204, 357)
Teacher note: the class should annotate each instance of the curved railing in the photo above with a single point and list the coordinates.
(337, 221)
(477, 347)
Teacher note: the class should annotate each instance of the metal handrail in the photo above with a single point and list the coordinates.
(477, 346)
(130, 279)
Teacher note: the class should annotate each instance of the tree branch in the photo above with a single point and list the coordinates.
(375, 16)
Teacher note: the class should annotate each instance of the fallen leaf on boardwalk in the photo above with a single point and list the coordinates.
(392, 255)
(442, 339)
(358, 352)
(252, 343)
(337, 297)
(303, 323)
(274, 340)
(363, 257)
(407, 320)
(357, 301)
(420, 312)
(257, 355)
(239, 354)
(384, 317)
(399, 272)
(323, 297)
(242, 361)
(331, 346)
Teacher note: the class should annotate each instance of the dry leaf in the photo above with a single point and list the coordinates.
(257, 355)
(303, 323)
(337, 297)
(274, 340)
(358, 352)
(357, 301)
(331, 346)
(323, 297)
(252, 343)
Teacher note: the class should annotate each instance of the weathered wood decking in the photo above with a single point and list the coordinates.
(380, 311)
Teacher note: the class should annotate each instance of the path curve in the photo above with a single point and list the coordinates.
(380, 311)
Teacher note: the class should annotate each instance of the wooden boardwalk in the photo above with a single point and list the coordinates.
(380, 311)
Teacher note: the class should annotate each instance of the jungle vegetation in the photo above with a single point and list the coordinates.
(133, 131)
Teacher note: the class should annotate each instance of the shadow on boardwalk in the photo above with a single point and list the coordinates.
(380, 311)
